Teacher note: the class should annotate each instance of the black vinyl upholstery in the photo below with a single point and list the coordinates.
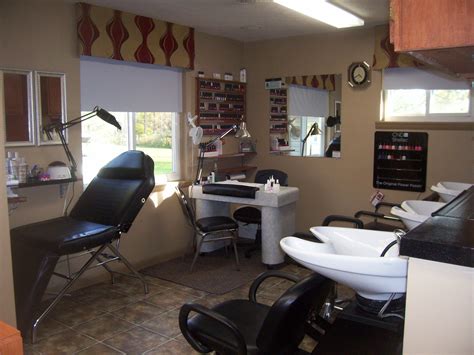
(248, 327)
(105, 209)
(217, 223)
(249, 215)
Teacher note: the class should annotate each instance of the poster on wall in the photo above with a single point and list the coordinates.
(400, 161)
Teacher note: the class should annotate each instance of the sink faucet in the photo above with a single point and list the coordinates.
(399, 233)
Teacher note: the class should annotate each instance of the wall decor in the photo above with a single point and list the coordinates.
(50, 103)
(358, 75)
(400, 160)
(19, 113)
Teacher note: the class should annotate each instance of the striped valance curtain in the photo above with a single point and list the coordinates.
(385, 55)
(119, 35)
(324, 82)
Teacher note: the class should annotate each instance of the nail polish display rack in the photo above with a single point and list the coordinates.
(400, 160)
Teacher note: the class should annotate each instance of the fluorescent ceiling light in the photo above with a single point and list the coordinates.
(323, 11)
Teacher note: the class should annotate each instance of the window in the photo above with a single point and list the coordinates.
(145, 99)
(417, 95)
(154, 133)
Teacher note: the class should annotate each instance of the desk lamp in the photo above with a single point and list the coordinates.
(60, 127)
(240, 132)
(313, 130)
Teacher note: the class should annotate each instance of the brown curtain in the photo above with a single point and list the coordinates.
(114, 34)
(325, 82)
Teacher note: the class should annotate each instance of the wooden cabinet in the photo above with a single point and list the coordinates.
(51, 95)
(10, 340)
(278, 111)
(437, 32)
(220, 104)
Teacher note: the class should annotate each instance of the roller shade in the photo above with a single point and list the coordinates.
(412, 78)
(129, 87)
(308, 102)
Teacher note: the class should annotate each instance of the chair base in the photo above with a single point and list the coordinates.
(98, 256)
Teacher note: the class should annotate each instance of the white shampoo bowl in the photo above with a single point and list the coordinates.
(414, 212)
(448, 190)
(352, 257)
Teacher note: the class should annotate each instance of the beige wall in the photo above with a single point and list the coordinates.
(339, 186)
(46, 40)
(7, 298)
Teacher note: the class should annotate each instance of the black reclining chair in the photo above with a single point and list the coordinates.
(105, 210)
(240, 327)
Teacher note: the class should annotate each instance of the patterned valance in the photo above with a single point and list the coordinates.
(385, 55)
(114, 34)
(325, 82)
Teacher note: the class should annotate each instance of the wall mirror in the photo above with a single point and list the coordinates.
(18, 98)
(50, 103)
(305, 115)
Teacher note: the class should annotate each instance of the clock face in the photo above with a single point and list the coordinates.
(359, 75)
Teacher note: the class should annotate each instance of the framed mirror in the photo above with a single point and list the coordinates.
(50, 103)
(305, 115)
(19, 116)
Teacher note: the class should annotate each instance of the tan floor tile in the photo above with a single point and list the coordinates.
(173, 347)
(138, 312)
(136, 340)
(171, 299)
(110, 301)
(63, 343)
(160, 282)
(99, 348)
(74, 316)
(308, 344)
(103, 327)
(166, 324)
(49, 327)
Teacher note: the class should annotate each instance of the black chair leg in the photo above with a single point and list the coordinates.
(257, 245)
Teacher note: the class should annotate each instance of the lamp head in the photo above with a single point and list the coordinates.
(242, 131)
(333, 120)
(107, 117)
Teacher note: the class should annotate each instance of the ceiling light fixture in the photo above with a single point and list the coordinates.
(323, 11)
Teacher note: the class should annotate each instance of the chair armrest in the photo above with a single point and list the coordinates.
(385, 204)
(337, 218)
(206, 312)
(358, 214)
(265, 275)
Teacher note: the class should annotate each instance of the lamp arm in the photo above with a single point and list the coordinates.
(69, 155)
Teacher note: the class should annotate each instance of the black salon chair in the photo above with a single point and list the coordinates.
(105, 210)
(225, 228)
(252, 215)
(247, 327)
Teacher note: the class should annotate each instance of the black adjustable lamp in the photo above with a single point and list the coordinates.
(60, 127)
(241, 132)
(313, 130)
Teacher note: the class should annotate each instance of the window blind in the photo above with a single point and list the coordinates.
(129, 87)
(412, 78)
(310, 102)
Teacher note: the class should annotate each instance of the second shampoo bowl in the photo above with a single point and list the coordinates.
(415, 212)
(352, 257)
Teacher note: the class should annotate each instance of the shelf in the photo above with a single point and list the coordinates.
(233, 155)
(221, 81)
(222, 91)
(45, 183)
(17, 199)
(282, 151)
(236, 169)
(412, 160)
(397, 169)
(220, 121)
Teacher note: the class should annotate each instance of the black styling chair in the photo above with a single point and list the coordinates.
(105, 210)
(225, 227)
(252, 215)
(247, 327)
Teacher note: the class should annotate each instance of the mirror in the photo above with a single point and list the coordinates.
(51, 103)
(18, 98)
(305, 115)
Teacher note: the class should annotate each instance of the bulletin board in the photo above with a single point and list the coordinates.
(400, 160)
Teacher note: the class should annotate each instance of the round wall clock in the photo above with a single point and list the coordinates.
(359, 75)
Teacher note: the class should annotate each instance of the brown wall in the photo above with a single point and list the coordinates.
(339, 186)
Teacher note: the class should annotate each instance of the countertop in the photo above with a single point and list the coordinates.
(446, 237)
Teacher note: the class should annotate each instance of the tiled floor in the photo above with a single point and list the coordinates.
(120, 318)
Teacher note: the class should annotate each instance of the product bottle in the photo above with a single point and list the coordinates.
(276, 186)
(22, 171)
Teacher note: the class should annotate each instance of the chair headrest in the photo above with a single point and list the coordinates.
(129, 165)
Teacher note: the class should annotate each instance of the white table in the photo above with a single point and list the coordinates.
(278, 214)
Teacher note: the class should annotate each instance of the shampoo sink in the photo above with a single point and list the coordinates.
(448, 190)
(352, 257)
(415, 212)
